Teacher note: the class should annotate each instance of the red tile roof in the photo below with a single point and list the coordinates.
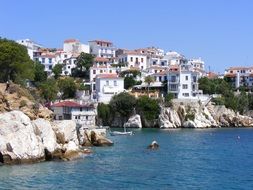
(107, 76)
(48, 55)
(71, 41)
(101, 59)
(230, 75)
(71, 104)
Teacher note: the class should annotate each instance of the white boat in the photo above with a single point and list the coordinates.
(114, 133)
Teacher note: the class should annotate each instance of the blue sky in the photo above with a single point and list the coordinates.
(218, 31)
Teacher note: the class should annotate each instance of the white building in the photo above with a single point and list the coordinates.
(183, 81)
(98, 69)
(69, 64)
(31, 46)
(198, 65)
(134, 60)
(48, 60)
(240, 77)
(102, 48)
(82, 114)
(75, 46)
(108, 85)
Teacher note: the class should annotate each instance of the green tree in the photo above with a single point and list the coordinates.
(104, 113)
(83, 62)
(123, 104)
(15, 62)
(57, 70)
(68, 87)
(129, 82)
(148, 108)
(149, 79)
(49, 89)
(168, 99)
(40, 74)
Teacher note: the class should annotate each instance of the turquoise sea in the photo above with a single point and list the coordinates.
(187, 159)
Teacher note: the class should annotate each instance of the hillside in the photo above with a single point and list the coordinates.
(18, 98)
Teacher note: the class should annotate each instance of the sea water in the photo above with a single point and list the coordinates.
(186, 159)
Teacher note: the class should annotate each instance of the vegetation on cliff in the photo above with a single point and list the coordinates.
(123, 105)
(240, 101)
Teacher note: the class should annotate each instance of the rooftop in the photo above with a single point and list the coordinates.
(106, 76)
(72, 104)
(71, 40)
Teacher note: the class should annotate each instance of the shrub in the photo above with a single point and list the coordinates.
(148, 107)
(190, 116)
(168, 99)
(23, 103)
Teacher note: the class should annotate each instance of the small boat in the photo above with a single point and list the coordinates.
(114, 133)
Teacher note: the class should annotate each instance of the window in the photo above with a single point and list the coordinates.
(107, 82)
(68, 67)
(141, 67)
(110, 71)
(75, 117)
(81, 109)
(136, 60)
(142, 60)
(79, 117)
(50, 60)
(86, 117)
(43, 60)
(65, 56)
(186, 77)
(155, 71)
(185, 86)
(115, 83)
(101, 71)
(131, 59)
(50, 67)
(94, 72)
(186, 94)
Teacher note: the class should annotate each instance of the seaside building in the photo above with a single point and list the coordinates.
(102, 48)
(48, 60)
(240, 77)
(183, 81)
(69, 64)
(82, 114)
(108, 85)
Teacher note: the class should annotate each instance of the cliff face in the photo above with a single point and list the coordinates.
(199, 116)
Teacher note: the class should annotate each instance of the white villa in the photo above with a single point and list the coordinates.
(31, 46)
(133, 60)
(108, 85)
(75, 46)
(82, 114)
(102, 48)
(183, 81)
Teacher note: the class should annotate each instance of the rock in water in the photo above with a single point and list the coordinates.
(99, 140)
(134, 122)
(153, 146)
(18, 142)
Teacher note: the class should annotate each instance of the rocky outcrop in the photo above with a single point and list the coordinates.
(199, 116)
(66, 134)
(43, 129)
(25, 141)
(96, 137)
(169, 118)
(18, 142)
(134, 122)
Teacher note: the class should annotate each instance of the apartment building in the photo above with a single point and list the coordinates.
(240, 76)
(108, 85)
(75, 46)
(102, 48)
